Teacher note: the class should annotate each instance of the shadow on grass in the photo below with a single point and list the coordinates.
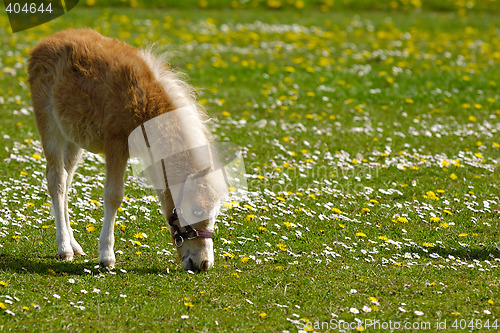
(46, 264)
(481, 253)
(42, 265)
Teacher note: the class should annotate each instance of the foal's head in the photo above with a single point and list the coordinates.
(197, 204)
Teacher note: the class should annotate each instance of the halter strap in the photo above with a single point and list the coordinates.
(189, 233)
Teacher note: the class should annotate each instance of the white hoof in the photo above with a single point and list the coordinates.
(107, 260)
(67, 256)
(77, 249)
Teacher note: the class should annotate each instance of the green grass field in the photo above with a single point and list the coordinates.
(372, 147)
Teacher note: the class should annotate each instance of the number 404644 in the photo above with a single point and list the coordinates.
(475, 324)
(32, 8)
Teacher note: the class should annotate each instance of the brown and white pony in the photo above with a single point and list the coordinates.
(91, 92)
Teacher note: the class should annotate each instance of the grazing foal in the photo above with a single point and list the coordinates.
(91, 92)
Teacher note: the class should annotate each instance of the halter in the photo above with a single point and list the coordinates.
(189, 233)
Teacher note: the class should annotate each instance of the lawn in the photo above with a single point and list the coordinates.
(372, 148)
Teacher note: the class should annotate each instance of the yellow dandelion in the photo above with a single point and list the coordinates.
(299, 4)
(431, 195)
(402, 219)
(274, 4)
(282, 247)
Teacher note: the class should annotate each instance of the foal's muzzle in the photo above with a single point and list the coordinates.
(189, 264)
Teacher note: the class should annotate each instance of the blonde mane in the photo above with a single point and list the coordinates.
(180, 93)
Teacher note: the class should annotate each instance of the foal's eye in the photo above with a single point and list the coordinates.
(198, 212)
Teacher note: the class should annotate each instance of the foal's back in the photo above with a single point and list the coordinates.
(92, 89)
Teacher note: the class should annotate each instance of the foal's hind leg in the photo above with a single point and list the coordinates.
(116, 162)
(53, 146)
(72, 156)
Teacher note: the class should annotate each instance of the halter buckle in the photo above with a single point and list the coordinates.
(194, 233)
(176, 240)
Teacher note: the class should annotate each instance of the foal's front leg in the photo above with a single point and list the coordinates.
(116, 163)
